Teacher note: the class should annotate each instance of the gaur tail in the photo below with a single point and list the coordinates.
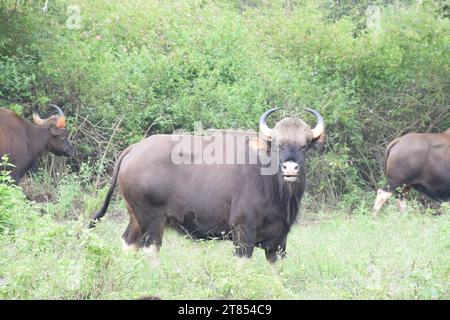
(115, 174)
(388, 151)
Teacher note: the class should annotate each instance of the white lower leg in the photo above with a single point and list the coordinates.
(402, 205)
(382, 197)
(152, 253)
(241, 262)
(129, 247)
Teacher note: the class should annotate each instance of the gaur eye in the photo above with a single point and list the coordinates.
(305, 148)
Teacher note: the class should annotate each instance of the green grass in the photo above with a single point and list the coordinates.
(333, 256)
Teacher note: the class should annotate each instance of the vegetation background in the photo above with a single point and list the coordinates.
(123, 70)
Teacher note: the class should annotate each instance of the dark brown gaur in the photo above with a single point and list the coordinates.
(24, 142)
(420, 161)
(226, 201)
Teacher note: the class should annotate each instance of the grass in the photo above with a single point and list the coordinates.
(331, 255)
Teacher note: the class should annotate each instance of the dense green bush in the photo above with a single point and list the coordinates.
(136, 68)
(11, 199)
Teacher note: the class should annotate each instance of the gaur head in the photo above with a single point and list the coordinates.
(58, 143)
(290, 139)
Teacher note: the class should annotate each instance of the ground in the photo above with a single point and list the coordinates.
(331, 255)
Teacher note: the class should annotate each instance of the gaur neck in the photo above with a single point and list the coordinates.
(37, 142)
(288, 197)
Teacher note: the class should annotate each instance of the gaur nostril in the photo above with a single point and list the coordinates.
(296, 168)
(284, 166)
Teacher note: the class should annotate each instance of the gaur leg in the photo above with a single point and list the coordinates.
(440, 210)
(244, 238)
(272, 254)
(145, 229)
(132, 233)
(383, 194)
(382, 197)
(402, 203)
(434, 204)
(153, 224)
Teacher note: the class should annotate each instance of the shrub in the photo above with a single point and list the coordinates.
(135, 69)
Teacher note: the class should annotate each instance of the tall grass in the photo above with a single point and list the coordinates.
(49, 253)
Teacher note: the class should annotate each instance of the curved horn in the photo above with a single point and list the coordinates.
(36, 118)
(60, 112)
(320, 126)
(61, 122)
(263, 127)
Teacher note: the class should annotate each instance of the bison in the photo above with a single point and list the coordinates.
(420, 161)
(25, 142)
(236, 201)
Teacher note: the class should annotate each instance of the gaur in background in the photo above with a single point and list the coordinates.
(25, 142)
(420, 161)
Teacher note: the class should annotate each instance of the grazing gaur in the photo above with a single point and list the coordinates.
(420, 161)
(231, 201)
(25, 142)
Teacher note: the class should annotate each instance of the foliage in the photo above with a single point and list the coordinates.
(11, 198)
(130, 69)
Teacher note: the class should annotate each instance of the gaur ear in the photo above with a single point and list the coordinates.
(54, 131)
(258, 144)
(319, 143)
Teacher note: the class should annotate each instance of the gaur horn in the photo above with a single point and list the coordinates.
(263, 127)
(320, 126)
(61, 122)
(36, 118)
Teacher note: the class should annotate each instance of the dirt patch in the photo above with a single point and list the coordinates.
(37, 192)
